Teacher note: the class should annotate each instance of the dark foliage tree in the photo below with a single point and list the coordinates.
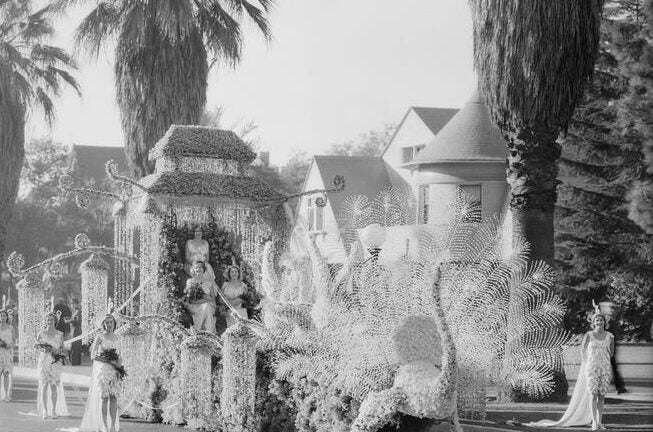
(602, 251)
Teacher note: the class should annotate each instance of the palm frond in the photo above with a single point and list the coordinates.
(97, 28)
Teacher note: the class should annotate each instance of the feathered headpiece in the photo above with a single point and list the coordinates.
(229, 267)
(597, 312)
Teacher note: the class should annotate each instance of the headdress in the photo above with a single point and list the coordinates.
(597, 312)
(228, 269)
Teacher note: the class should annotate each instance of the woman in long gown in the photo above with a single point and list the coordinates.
(202, 310)
(6, 356)
(594, 376)
(50, 398)
(103, 393)
(233, 289)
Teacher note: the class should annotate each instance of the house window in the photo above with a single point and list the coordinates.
(315, 216)
(473, 194)
(406, 154)
(423, 204)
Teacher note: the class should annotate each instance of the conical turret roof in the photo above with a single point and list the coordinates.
(470, 136)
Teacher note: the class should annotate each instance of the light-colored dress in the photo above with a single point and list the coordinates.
(599, 370)
(49, 373)
(104, 384)
(594, 376)
(203, 312)
(6, 357)
(232, 291)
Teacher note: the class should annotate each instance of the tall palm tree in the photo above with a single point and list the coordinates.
(533, 59)
(162, 58)
(31, 74)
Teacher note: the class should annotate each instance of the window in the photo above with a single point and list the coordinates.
(423, 204)
(406, 154)
(418, 149)
(315, 216)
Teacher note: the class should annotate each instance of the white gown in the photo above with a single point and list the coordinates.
(6, 358)
(51, 373)
(232, 290)
(594, 373)
(104, 381)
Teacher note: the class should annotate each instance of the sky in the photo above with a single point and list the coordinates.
(334, 70)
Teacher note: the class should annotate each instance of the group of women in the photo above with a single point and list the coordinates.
(101, 411)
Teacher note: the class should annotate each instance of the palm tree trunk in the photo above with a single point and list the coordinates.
(532, 175)
(12, 152)
(158, 83)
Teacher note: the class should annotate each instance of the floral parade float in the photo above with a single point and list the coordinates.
(395, 338)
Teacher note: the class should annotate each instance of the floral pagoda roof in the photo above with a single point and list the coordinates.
(181, 183)
(200, 141)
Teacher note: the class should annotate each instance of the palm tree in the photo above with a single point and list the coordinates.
(533, 59)
(162, 58)
(31, 74)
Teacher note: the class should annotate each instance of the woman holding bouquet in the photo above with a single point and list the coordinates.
(101, 412)
(50, 399)
(6, 356)
(200, 294)
(233, 290)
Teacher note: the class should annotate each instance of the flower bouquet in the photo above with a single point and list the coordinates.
(43, 347)
(3, 344)
(49, 349)
(193, 291)
(110, 356)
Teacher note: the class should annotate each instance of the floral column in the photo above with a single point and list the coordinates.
(239, 379)
(31, 309)
(95, 278)
(196, 382)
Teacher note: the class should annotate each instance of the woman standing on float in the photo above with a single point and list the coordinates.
(50, 398)
(6, 356)
(594, 376)
(101, 411)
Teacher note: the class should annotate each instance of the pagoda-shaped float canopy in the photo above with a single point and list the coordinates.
(470, 136)
(196, 161)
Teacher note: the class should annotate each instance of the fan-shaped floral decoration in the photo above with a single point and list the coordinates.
(499, 310)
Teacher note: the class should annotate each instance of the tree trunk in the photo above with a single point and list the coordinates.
(12, 152)
(532, 174)
(158, 83)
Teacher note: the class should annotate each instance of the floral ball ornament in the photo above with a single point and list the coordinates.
(15, 263)
(65, 181)
(55, 270)
(82, 241)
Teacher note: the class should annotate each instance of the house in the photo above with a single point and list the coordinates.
(419, 126)
(365, 175)
(436, 153)
(87, 163)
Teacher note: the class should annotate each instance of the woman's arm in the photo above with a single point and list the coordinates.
(95, 346)
(611, 344)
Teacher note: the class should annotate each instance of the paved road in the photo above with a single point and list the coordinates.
(632, 412)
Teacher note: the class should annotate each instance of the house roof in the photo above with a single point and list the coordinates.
(433, 118)
(469, 136)
(201, 141)
(364, 175)
(88, 162)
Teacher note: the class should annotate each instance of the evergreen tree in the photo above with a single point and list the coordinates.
(601, 252)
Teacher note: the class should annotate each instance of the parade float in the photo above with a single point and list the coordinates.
(387, 339)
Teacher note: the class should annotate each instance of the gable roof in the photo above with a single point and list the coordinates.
(469, 136)
(88, 162)
(434, 119)
(364, 175)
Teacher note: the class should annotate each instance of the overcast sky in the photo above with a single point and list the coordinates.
(335, 69)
